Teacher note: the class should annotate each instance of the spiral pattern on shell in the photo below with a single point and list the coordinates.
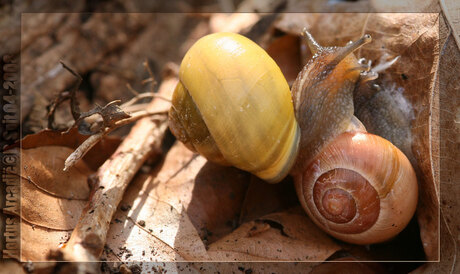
(360, 189)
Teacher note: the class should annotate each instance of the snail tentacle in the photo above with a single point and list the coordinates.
(311, 42)
(343, 52)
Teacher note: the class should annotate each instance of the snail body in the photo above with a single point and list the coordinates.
(233, 106)
(323, 94)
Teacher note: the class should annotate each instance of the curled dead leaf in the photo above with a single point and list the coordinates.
(450, 9)
(448, 165)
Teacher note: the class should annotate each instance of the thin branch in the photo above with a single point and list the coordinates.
(89, 236)
(133, 91)
(140, 96)
(64, 96)
(112, 118)
(110, 114)
(81, 151)
(73, 100)
(151, 79)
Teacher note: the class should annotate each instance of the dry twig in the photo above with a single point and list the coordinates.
(81, 151)
(89, 236)
(111, 115)
(64, 96)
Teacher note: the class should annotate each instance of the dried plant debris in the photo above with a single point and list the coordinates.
(110, 113)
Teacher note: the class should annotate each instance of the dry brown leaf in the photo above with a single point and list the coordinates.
(257, 267)
(451, 9)
(49, 197)
(40, 208)
(293, 23)
(347, 265)
(157, 267)
(153, 230)
(448, 128)
(216, 200)
(11, 267)
(38, 241)
(288, 235)
(211, 194)
(43, 166)
(51, 200)
(448, 262)
(169, 215)
(286, 53)
(403, 6)
(339, 28)
(449, 151)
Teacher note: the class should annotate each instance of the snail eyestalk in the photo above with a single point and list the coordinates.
(350, 48)
(311, 42)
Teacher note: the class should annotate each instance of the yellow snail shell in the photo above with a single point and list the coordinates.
(233, 105)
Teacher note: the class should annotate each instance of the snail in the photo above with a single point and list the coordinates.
(356, 186)
(216, 107)
(233, 105)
